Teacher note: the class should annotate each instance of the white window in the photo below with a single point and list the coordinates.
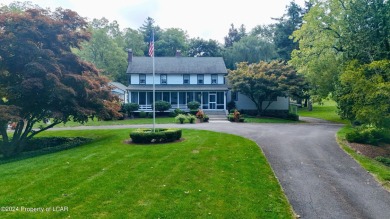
(163, 79)
(186, 79)
(214, 79)
(200, 79)
(142, 79)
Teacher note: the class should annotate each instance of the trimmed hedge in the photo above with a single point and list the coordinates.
(371, 136)
(161, 135)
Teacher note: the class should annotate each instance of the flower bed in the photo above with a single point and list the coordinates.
(161, 135)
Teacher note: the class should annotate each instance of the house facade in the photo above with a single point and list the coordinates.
(179, 80)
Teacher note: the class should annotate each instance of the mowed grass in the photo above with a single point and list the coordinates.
(379, 170)
(208, 175)
(326, 111)
(136, 121)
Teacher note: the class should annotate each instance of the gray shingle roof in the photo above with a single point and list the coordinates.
(118, 85)
(194, 87)
(177, 65)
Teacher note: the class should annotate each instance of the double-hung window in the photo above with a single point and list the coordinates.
(200, 79)
(186, 79)
(163, 79)
(214, 79)
(142, 79)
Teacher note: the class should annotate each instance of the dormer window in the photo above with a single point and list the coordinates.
(163, 79)
(142, 79)
(186, 79)
(214, 79)
(200, 79)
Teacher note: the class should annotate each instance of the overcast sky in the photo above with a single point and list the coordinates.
(207, 19)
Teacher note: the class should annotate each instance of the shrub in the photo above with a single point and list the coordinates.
(129, 108)
(162, 106)
(193, 112)
(142, 114)
(384, 160)
(369, 135)
(200, 114)
(206, 118)
(292, 116)
(147, 136)
(181, 118)
(193, 105)
(191, 118)
(178, 111)
(231, 105)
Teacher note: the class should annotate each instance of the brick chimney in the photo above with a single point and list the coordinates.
(129, 55)
(178, 53)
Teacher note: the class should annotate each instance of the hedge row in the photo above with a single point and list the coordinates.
(147, 136)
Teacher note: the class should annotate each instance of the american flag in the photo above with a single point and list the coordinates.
(151, 46)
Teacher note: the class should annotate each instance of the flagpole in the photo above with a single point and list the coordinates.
(154, 89)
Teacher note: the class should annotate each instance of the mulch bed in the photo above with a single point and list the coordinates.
(371, 150)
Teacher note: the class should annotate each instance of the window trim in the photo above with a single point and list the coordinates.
(200, 77)
(189, 79)
(161, 79)
(144, 79)
(216, 78)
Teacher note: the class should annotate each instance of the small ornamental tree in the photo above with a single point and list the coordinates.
(40, 77)
(265, 81)
(193, 105)
(129, 108)
(162, 106)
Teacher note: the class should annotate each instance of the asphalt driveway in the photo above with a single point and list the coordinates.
(318, 177)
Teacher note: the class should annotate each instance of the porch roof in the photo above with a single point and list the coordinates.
(195, 87)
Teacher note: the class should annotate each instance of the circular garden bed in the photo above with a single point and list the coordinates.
(160, 135)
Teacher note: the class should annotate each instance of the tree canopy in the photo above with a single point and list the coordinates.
(263, 82)
(339, 42)
(40, 77)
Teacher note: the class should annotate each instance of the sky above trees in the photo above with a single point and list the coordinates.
(201, 18)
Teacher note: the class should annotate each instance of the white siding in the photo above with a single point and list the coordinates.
(207, 79)
(134, 79)
(193, 79)
(244, 102)
(175, 79)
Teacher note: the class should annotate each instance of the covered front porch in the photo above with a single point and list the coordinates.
(209, 100)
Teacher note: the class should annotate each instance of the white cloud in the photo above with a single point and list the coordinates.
(207, 19)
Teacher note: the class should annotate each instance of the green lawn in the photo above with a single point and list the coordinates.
(137, 121)
(208, 175)
(379, 170)
(267, 120)
(327, 111)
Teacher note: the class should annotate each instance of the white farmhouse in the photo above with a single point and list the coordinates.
(179, 80)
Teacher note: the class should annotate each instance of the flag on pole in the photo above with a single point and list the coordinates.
(151, 46)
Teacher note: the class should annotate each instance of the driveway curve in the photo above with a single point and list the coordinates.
(319, 179)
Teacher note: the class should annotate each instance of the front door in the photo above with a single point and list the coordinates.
(212, 100)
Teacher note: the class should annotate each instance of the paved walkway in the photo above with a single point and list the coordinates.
(319, 179)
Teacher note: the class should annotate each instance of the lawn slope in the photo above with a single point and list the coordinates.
(207, 175)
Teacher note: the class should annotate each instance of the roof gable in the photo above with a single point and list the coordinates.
(177, 65)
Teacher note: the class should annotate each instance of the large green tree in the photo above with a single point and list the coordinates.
(284, 27)
(336, 35)
(264, 81)
(105, 54)
(249, 49)
(364, 93)
(201, 48)
(41, 78)
(171, 40)
(234, 35)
